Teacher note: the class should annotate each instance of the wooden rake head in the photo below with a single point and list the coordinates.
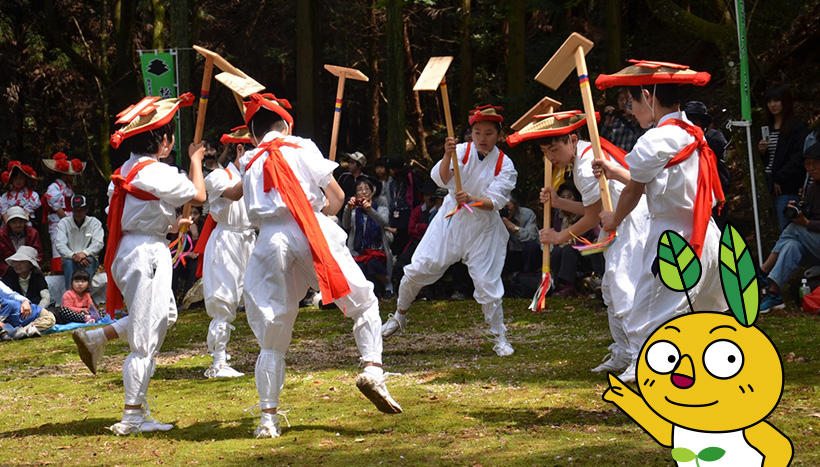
(544, 106)
(563, 61)
(347, 73)
(433, 74)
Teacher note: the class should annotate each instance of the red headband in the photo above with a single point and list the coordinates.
(486, 113)
(269, 102)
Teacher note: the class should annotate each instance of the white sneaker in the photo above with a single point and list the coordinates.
(90, 352)
(142, 423)
(222, 371)
(502, 348)
(628, 376)
(268, 430)
(616, 361)
(396, 324)
(374, 389)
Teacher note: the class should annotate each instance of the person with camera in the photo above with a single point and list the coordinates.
(523, 247)
(801, 237)
(364, 219)
(619, 126)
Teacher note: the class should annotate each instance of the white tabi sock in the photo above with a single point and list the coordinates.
(375, 371)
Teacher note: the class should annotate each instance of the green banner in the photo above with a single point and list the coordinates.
(745, 82)
(160, 78)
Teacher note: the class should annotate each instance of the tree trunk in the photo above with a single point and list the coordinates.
(516, 65)
(465, 61)
(395, 79)
(421, 143)
(180, 29)
(158, 41)
(306, 71)
(375, 83)
(614, 26)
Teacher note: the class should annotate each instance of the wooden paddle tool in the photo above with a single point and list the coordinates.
(572, 55)
(342, 73)
(544, 106)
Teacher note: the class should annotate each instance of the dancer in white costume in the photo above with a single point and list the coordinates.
(225, 249)
(286, 183)
(558, 138)
(477, 238)
(674, 166)
(144, 195)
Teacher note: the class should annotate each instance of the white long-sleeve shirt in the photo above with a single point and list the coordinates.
(71, 239)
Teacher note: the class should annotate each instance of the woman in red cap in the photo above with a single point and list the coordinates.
(19, 175)
(474, 235)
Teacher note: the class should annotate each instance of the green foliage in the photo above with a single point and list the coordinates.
(680, 267)
(738, 276)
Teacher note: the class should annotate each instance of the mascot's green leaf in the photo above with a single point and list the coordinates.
(679, 265)
(683, 455)
(711, 454)
(738, 276)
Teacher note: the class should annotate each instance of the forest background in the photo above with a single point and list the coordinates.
(70, 66)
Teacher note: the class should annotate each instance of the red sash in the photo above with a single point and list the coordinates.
(498, 164)
(122, 188)
(610, 150)
(279, 175)
(202, 242)
(371, 254)
(708, 181)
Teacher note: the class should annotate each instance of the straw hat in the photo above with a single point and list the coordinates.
(270, 102)
(238, 135)
(646, 72)
(549, 125)
(59, 163)
(148, 114)
(24, 253)
(486, 113)
(8, 175)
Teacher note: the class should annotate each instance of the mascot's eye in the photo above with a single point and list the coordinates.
(723, 359)
(662, 357)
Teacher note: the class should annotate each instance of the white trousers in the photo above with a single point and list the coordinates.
(142, 270)
(279, 273)
(223, 280)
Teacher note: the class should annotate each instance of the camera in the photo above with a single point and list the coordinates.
(793, 210)
(504, 212)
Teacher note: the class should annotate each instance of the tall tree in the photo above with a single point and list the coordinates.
(375, 80)
(465, 59)
(395, 84)
(181, 37)
(516, 63)
(307, 16)
(614, 33)
(421, 136)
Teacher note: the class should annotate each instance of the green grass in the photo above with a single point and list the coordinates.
(462, 404)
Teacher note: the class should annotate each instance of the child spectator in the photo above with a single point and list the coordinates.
(77, 303)
(25, 278)
(57, 200)
(20, 193)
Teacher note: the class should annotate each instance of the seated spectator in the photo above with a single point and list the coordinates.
(20, 176)
(800, 240)
(77, 304)
(19, 318)
(618, 125)
(420, 218)
(24, 276)
(356, 163)
(523, 246)
(17, 233)
(78, 239)
(364, 219)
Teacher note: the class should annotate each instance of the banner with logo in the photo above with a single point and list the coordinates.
(160, 78)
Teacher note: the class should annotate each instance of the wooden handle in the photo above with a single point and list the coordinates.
(592, 124)
(337, 117)
(545, 260)
(448, 119)
(203, 99)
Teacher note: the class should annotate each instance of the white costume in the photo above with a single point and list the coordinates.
(225, 260)
(58, 196)
(142, 269)
(281, 267)
(26, 198)
(670, 197)
(624, 265)
(477, 238)
(738, 450)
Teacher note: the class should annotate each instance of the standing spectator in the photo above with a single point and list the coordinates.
(20, 194)
(24, 276)
(79, 240)
(697, 113)
(17, 233)
(355, 168)
(381, 173)
(782, 150)
(799, 240)
(57, 201)
(619, 126)
(364, 219)
(523, 247)
(401, 203)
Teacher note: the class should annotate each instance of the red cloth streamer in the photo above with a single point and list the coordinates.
(708, 181)
(610, 150)
(369, 254)
(202, 242)
(122, 187)
(279, 175)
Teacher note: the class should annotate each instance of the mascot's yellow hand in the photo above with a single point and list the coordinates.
(615, 392)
